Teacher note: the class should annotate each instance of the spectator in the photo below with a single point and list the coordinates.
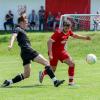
(9, 20)
(57, 20)
(32, 20)
(96, 21)
(41, 18)
(50, 20)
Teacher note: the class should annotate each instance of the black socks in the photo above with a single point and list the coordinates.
(49, 72)
(18, 78)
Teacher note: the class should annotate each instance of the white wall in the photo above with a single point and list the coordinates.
(94, 7)
(6, 5)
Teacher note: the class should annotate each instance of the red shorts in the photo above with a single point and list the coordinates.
(62, 55)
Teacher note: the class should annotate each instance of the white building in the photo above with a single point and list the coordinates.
(6, 5)
(12, 5)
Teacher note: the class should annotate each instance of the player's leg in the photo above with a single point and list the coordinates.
(71, 70)
(20, 77)
(66, 58)
(40, 59)
(53, 64)
(27, 70)
(42, 74)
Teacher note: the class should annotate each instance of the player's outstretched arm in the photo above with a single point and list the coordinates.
(81, 37)
(13, 37)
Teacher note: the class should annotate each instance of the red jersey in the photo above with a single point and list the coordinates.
(60, 39)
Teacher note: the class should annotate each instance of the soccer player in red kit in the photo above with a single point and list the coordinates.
(56, 50)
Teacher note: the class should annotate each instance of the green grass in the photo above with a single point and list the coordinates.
(87, 76)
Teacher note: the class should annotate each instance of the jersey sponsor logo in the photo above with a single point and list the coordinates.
(64, 39)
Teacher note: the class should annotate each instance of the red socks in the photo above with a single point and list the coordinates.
(71, 73)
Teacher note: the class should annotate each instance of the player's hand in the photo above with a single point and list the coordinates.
(9, 47)
(88, 38)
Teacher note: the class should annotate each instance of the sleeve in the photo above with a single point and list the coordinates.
(55, 36)
(71, 33)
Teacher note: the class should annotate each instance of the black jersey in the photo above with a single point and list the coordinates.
(22, 38)
(27, 53)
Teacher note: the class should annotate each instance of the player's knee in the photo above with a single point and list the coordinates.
(72, 64)
(46, 63)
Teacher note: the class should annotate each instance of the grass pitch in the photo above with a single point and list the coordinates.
(87, 76)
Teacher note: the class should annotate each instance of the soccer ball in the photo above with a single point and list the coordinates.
(91, 59)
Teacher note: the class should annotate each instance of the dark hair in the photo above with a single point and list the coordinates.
(21, 19)
(67, 23)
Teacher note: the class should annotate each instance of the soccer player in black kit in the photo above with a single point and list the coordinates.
(28, 54)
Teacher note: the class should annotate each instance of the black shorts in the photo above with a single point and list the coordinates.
(27, 55)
